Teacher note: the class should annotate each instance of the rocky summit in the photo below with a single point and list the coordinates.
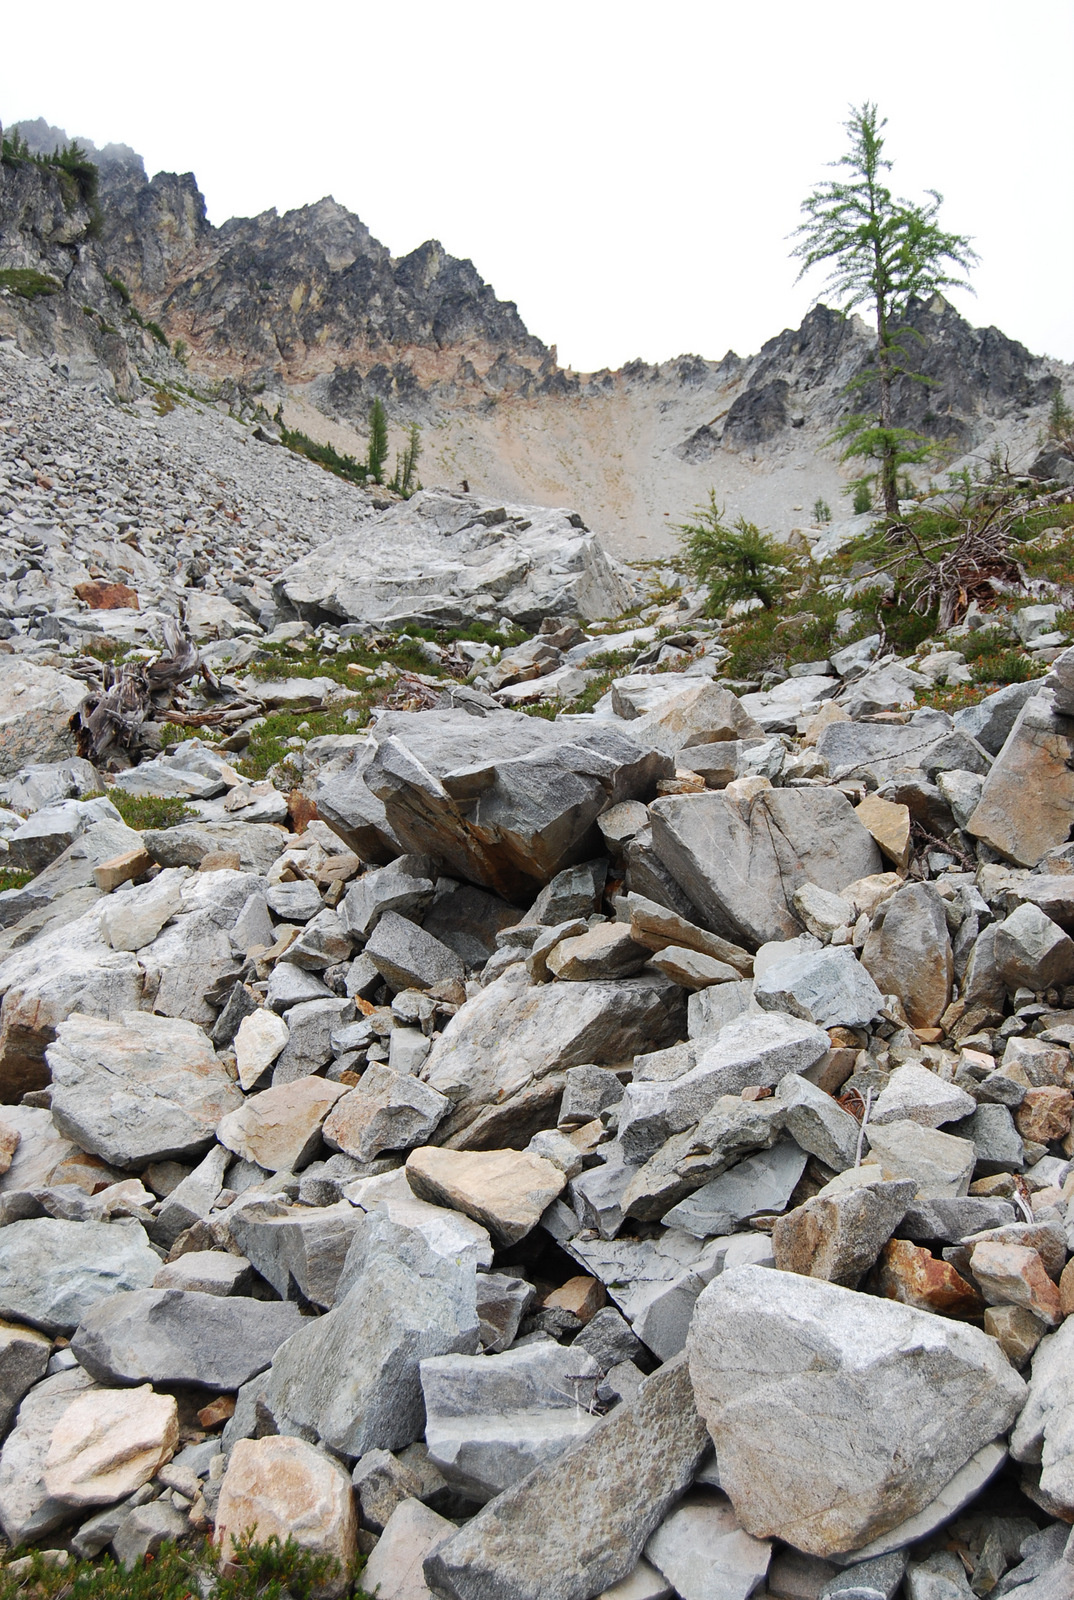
(511, 1073)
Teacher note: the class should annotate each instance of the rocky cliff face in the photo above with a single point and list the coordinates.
(309, 309)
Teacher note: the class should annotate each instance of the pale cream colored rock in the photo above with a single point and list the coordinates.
(394, 1570)
(279, 1128)
(867, 893)
(606, 951)
(108, 1443)
(505, 1190)
(889, 824)
(285, 1487)
(261, 1037)
(9, 1143)
(692, 969)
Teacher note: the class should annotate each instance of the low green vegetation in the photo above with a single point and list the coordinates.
(14, 877)
(150, 810)
(27, 283)
(271, 1571)
(325, 455)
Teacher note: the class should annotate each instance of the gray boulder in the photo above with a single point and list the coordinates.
(178, 1336)
(760, 1183)
(350, 1379)
(24, 1355)
(501, 1059)
(141, 1089)
(491, 1419)
(740, 862)
(506, 816)
(753, 1050)
(705, 1554)
(1032, 950)
(52, 1273)
(991, 719)
(836, 1416)
(300, 1250)
(27, 1510)
(1025, 804)
(409, 958)
(908, 953)
(829, 987)
(577, 1525)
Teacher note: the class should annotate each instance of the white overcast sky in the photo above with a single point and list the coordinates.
(626, 172)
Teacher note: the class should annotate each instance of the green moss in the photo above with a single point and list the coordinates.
(27, 283)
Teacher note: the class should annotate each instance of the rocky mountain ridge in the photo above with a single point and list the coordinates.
(309, 310)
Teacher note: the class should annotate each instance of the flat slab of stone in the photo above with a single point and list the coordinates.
(759, 1183)
(507, 1191)
(141, 1089)
(941, 1164)
(705, 1554)
(829, 987)
(577, 1525)
(835, 1415)
(280, 1128)
(180, 1336)
(52, 1273)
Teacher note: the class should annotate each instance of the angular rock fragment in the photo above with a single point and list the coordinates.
(174, 1336)
(501, 1058)
(837, 1416)
(299, 1248)
(1025, 804)
(910, 1273)
(753, 1050)
(760, 1183)
(817, 1122)
(908, 953)
(705, 1554)
(491, 1419)
(606, 951)
(27, 1510)
(409, 958)
(412, 1533)
(740, 862)
(52, 1273)
(1032, 950)
(1013, 1274)
(24, 1356)
(350, 1378)
(828, 987)
(388, 1110)
(280, 1128)
(838, 1237)
(283, 1488)
(914, 1094)
(107, 1444)
(577, 1525)
(940, 1164)
(141, 1089)
(505, 1190)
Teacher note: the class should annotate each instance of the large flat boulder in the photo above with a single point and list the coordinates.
(1025, 806)
(142, 1089)
(444, 559)
(836, 1416)
(506, 1050)
(180, 1336)
(36, 706)
(504, 804)
(741, 861)
(52, 1273)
